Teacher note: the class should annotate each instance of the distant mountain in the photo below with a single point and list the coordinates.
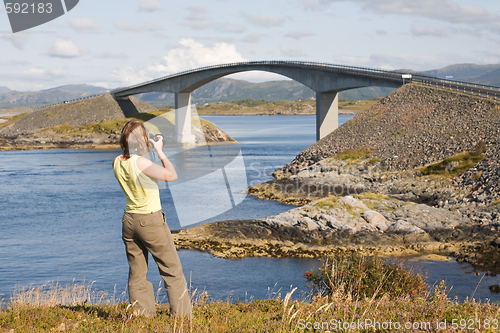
(36, 99)
(79, 88)
(4, 90)
(224, 89)
(483, 74)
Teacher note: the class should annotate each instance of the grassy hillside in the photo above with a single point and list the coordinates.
(263, 107)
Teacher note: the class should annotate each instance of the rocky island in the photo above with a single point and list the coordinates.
(416, 173)
(94, 122)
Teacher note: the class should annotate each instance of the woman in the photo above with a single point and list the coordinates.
(144, 226)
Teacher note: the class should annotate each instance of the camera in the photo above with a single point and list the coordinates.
(156, 137)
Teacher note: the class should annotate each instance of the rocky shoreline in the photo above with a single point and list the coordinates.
(365, 198)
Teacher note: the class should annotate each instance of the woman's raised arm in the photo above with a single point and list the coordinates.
(166, 173)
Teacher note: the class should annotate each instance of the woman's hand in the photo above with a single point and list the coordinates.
(158, 145)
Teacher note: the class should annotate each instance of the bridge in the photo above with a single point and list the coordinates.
(327, 80)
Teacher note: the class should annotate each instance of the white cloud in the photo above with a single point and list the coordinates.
(187, 54)
(490, 56)
(313, 5)
(402, 61)
(193, 55)
(84, 25)
(295, 52)
(22, 63)
(443, 10)
(297, 34)
(381, 32)
(37, 73)
(232, 28)
(254, 37)
(127, 76)
(19, 39)
(112, 55)
(65, 48)
(133, 27)
(150, 6)
(199, 20)
(265, 21)
(429, 30)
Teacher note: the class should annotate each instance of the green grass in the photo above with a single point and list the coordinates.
(374, 160)
(259, 106)
(495, 204)
(327, 203)
(13, 120)
(356, 288)
(465, 161)
(347, 104)
(354, 275)
(116, 125)
(353, 154)
(373, 196)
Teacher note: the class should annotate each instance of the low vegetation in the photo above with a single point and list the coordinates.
(114, 126)
(354, 275)
(456, 165)
(327, 203)
(12, 120)
(257, 107)
(353, 154)
(366, 294)
(358, 106)
(261, 107)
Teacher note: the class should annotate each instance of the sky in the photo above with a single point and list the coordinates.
(119, 43)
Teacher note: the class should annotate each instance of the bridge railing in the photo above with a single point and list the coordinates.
(308, 64)
(364, 71)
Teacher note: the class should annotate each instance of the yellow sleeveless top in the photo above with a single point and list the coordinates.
(141, 191)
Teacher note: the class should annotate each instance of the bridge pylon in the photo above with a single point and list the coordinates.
(327, 113)
(183, 118)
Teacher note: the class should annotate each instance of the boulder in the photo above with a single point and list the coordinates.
(375, 218)
(353, 202)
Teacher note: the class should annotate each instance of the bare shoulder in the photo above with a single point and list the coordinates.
(143, 163)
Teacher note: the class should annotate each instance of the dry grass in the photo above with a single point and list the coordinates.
(52, 294)
(68, 309)
(353, 154)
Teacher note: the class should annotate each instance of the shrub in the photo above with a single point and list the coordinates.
(351, 274)
(353, 154)
(456, 165)
(479, 148)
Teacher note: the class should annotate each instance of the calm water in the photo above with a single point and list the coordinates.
(61, 210)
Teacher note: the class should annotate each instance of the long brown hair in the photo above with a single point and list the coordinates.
(134, 138)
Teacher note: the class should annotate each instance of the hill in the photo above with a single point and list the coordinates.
(4, 90)
(92, 122)
(35, 99)
(416, 126)
(482, 74)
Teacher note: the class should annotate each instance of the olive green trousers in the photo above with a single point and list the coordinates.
(143, 233)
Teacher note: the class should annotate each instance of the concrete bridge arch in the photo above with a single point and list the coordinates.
(326, 80)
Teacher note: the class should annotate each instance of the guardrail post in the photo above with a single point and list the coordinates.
(183, 118)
